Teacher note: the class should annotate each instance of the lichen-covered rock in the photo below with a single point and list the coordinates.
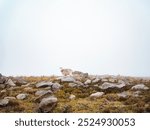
(67, 79)
(10, 98)
(88, 81)
(47, 104)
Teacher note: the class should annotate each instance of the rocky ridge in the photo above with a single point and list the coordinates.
(75, 91)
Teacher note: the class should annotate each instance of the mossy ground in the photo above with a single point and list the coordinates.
(109, 102)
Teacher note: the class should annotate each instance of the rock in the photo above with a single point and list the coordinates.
(67, 79)
(19, 81)
(72, 97)
(4, 102)
(44, 84)
(72, 85)
(22, 96)
(43, 92)
(79, 83)
(10, 98)
(124, 94)
(140, 87)
(47, 104)
(66, 72)
(10, 83)
(96, 80)
(107, 85)
(136, 93)
(3, 91)
(96, 95)
(2, 86)
(26, 85)
(56, 86)
(88, 81)
(79, 75)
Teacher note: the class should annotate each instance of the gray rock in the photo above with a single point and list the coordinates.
(96, 80)
(19, 81)
(136, 94)
(4, 102)
(26, 85)
(88, 81)
(79, 83)
(47, 104)
(10, 83)
(140, 87)
(22, 96)
(107, 85)
(56, 86)
(43, 92)
(72, 97)
(124, 94)
(10, 98)
(67, 79)
(44, 84)
(96, 95)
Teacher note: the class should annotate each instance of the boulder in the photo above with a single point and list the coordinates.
(88, 81)
(22, 96)
(2, 79)
(56, 86)
(47, 104)
(67, 79)
(43, 92)
(44, 84)
(107, 85)
(140, 87)
(96, 95)
(19, 81)
(10, 83)
(4, 102)
(96, 80)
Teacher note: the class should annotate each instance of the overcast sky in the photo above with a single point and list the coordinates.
(96, 36)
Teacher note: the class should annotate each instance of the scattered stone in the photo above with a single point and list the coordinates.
(124, 94)
(10, 83)
(72, 97)
(107, 85)
(22, 96)
(136, 93)
(88, 81)
(4, 102)
(72, 85)
(43, 92)
(56, 86)
(2, 79)
(96, 95)
(47, 104)
(96, 80)
(10, 98)
(3, 91)
(140, 87)
(26, 85)
(79, 83)
(44, 84)
(67, 79)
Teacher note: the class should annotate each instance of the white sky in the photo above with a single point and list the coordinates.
(96, 36)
